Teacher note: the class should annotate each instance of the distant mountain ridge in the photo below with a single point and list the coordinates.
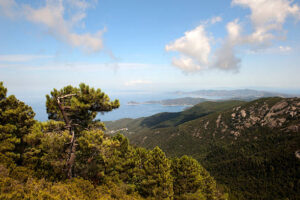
(239, 93)
(251, 147)
(195, 97)
(185, 101)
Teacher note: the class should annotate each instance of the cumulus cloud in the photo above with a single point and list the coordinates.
(224, 57)
(195, 48)
(52, 17)
(137, 82)
(268, 17)
(187, 64)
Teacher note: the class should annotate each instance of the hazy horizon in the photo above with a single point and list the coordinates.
(37, 102)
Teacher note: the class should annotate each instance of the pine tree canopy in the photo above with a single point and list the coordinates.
(81, 104)
(16, 119)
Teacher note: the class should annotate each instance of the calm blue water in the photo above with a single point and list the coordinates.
(136, 111)
(125, 111)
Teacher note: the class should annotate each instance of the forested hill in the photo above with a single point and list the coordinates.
(250, 148)
(166, 119)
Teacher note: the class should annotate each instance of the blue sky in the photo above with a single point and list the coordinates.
(149, 46)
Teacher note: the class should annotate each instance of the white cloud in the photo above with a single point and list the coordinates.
(137, 82)
(22, 58)
(195, 47)
(195, 50)
(224, 57)
(234, 31)
(267, 19)
(187, 64)
(52, 17)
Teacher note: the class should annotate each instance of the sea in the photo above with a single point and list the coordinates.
(124, 111)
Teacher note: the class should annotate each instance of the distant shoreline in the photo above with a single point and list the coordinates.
(185, 101)
(145, 103)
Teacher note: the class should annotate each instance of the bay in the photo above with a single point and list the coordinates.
(124, 111)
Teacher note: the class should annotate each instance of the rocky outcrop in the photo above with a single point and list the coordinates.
(283, 115)
(276, 116)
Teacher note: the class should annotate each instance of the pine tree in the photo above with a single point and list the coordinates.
(191, 180)
(125, 159)
(46, 150)
(186, 173)
(157, 180)
(78, 108)
(16, 119)
(90, 161)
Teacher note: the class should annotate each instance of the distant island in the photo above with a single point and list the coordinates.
(195, 97)
(232, 94)
(186, 101)
(133, 103)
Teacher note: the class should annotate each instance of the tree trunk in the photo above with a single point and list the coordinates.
(71, 159)
(72, 155)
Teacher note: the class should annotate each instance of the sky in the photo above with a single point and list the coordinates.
(127, 46)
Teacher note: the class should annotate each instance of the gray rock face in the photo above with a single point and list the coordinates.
(278, 115)
(283, 115)
(275, 117)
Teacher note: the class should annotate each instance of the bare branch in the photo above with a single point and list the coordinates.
(66, 96)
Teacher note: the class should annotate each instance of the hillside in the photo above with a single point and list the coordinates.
(249, 147)
(166, 119)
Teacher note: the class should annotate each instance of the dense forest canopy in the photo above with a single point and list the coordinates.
(250, 148)
(35, 156)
